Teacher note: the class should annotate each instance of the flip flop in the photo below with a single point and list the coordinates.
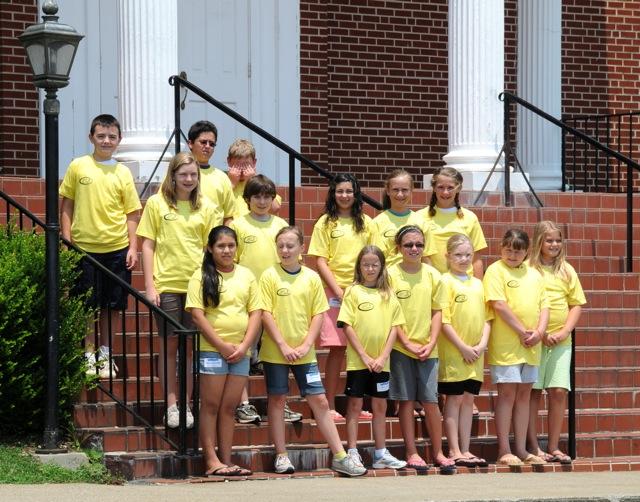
(446, 469)
(420, 466)
(464, 462)
(510, 460)
(532, 459)
(480, 462)
(240, 471)
(225, 470)
(560, 458)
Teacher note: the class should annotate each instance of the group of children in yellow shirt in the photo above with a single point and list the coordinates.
(400, 294)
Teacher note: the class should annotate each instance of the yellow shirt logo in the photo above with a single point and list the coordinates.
(390, 233)
(403, 294)
(365, 306)
(513, 284)
(336, 233)
(460, 298)
(250, 239)
(170, 216)
(86, 180)
(283, 292)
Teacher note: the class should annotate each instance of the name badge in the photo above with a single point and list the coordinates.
(210, 362)
(383, 386)
(313, 377)
(335, 302)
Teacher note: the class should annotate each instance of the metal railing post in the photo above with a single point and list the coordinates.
(292, 190)
(571, 419)
(507, 152)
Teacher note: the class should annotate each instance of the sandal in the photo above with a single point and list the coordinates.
(223, 470)
(447, 468)
(479, 461)
(559, 457)
(532, 459)
(464, 462)
(241, 471)
(510, 460)
(337, 417)
(416, 462)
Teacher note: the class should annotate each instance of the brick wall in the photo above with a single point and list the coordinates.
(18, 97)
(600, 69)
(377, 70)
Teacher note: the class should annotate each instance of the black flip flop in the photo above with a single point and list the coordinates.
(465, 462)
(446, 469)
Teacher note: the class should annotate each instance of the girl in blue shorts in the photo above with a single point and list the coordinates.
(223, 299)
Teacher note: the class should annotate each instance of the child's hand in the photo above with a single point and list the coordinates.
(367, 360)
(152, 295)
(469, 354)
(234, 175)
(414, 348)
(249, 171)
(289, 354)
(226, 350)
(377, 364)
(531, 338)
(132, 258)
(556, 338)
(239, 352)
(425, 351)
(303, 350)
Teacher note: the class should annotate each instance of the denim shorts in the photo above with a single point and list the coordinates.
(307, 377)
(514, 373)
(212, 363)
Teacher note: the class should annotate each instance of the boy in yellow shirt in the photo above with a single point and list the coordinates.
(214, 183)
(100, 211)
(242, 161)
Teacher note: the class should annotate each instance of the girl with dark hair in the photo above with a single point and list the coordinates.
(338, 236)
(223, 300)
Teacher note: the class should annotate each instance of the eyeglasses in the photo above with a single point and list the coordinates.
(205, 142)
(409, 245)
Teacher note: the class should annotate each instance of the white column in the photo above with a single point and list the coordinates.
(539, 82)
(148, 56)
(476, 77)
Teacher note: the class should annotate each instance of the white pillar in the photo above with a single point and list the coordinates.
(148, 56)
(476, 77)
(539, 82)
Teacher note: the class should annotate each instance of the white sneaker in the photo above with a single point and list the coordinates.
(388, 461)
(91, 363)
(354, 455)
(348, 466)
(283, 465)
(172, 417)
(106, 365)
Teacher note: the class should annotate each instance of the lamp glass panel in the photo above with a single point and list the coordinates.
(35, 52)
(60, 57)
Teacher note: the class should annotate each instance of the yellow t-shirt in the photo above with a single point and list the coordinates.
(241, 207)
(216, 186)
(103, 195)
(466, 312)
(562, 295)
(293, 300)
(257, 242)
(180, 236)
(418, 294)
(523, 290)
(372, 319)
(446, 223)
(339, 243)
(385, 228)
(239, 296)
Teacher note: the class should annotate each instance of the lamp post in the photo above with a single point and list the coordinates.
(51, 47)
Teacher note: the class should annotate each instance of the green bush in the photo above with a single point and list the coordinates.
(23, 341)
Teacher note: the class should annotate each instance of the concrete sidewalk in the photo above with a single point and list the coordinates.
(593, 486)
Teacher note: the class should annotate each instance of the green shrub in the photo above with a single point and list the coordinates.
(23, 342)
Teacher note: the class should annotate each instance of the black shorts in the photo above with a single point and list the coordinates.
(104, 292)
(362, 383)
(459, 388)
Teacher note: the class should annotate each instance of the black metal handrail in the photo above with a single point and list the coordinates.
(133, 407)
(509, 98)
(177, 81)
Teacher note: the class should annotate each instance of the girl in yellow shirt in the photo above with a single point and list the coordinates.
(563, 288)
(465, 335)
(395, 200)
(293, 304)
(174, 227)
(338, 236)
(224, 303)
(445, 217)
(414, 359)
(516, 293)
(370, 315)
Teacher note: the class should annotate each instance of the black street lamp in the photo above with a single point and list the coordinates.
(51, 47)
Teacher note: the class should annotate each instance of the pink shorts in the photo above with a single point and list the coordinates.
(330, 334)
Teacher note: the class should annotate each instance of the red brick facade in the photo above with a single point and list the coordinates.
(374, 80)
(19, 133)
